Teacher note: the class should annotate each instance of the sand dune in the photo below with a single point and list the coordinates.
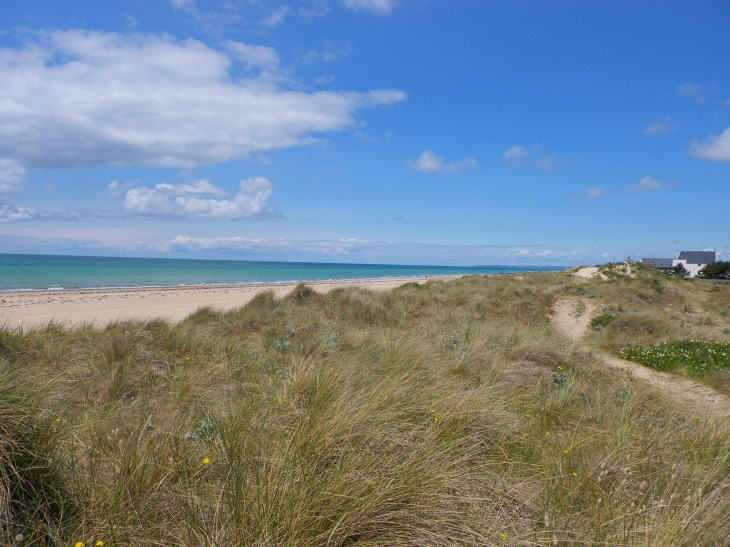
(100, 306)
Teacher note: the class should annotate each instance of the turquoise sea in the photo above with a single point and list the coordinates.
(43, 272)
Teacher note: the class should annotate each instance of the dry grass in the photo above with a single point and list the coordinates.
(445, 414)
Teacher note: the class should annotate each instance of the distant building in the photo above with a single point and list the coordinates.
(693, 261)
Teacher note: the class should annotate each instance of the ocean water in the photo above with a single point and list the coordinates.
(43, 272)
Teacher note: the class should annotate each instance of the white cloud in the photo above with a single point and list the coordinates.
(9, 213)
(594, 193)
(184, 200)
(517, 155)
(276, 17)
(369, 251)
(661, 126)
(76, 98)
(716, 148)
(645, 185)
(12, 175)
(183, 4)
(689, 89)
(648, 184)
(329, 54)
(262, 57)
(375, 6)
(431, 164)
(114, 189)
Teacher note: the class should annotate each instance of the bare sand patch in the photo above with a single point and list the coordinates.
(100, 306)
(589, 272)
(573, 318)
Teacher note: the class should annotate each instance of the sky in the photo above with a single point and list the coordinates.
(450, 132)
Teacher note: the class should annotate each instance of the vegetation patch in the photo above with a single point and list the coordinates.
(601, 321)
(696, 357)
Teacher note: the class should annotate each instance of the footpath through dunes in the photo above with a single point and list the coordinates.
(572, 317)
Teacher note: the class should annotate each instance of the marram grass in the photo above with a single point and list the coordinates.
(445, 414)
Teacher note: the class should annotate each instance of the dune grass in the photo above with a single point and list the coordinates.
(438, 414)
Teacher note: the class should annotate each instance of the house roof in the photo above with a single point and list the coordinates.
(658, 262)
(697, 257)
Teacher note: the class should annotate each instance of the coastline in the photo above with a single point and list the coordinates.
(99, 306)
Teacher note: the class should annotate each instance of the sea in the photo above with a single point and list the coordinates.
(25, 272)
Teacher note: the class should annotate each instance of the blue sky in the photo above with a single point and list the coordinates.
(376, 131)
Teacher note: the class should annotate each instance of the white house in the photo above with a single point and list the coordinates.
(693, 261)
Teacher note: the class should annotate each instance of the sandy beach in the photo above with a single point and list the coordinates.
(101, 306)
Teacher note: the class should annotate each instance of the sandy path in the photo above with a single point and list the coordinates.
(572, 317)
(697, 394)
(32, 309)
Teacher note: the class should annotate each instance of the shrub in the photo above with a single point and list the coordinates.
(716, 270)
(602, 320)
(678, 271)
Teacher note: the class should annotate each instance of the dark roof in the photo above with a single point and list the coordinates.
(698, 257)
(658, 262)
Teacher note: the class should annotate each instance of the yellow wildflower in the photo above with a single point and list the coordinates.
(527, 415)
(57, 420)
(560, 368)
(79, 544)
(503, 537)
(206, 461)
(575, 474)
(547, 433)
(99, 544)
(565, 451)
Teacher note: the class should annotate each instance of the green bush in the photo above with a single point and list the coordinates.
(602, 320)
(716, 270)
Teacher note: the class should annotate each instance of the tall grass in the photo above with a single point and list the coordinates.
(438, 414)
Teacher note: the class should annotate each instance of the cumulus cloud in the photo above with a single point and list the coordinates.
(197, 200)
(430, 164)
(716, 148)
(645, 185)
(77, 98)
(661, 126)
(517, 155)
(8, 213)
(375, 6)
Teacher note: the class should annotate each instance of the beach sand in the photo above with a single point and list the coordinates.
(101, 306)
